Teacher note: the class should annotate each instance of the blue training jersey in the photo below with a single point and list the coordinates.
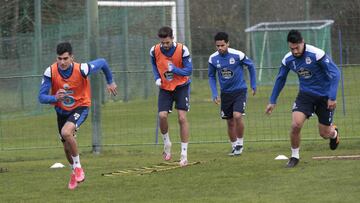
(230, 70)
(317, 73)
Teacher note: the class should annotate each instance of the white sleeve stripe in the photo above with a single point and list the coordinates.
(213, 55)
(319, 53)
(84, 68)
(186, 51)
(47, 72)
(237, 52)
(283, 61)
(152, 50)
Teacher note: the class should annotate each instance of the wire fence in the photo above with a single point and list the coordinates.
(30, 30)
(26, 124)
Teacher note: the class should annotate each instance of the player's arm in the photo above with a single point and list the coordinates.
(252, 71)
(156, 73)
(333, 73)
(279, 85)
(186, 59)
(44, 97)
(97, 65)
(212, 82)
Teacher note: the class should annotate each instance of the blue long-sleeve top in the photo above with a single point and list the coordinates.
(86, 70)
(317, 73)
(186, 60)
(230, 70)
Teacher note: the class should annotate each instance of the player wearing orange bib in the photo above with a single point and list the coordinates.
(65, 85)
(172, 68)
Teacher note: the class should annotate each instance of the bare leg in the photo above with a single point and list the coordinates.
(184, 126)
(164, 126)
(298, 119)
(239, 125)
(231, 129)
(67, 133)
(67, 153)
(326, 132)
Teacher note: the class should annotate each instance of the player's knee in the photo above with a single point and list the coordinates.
(325, 133)
(182, 119)
(163, 115)
(66, 133)
(237, 116)
(296, 126)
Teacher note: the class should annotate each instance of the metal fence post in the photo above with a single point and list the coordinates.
(93, 32)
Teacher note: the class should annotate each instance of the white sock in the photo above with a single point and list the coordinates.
(233, 144)
(335, 134)
(184, 147)
(240, 141)
(76, 161)
(295, 153)
(166, 139)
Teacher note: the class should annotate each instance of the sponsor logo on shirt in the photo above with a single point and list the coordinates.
(305, 73)
(69, 100)
(169, 75)
(226, 73)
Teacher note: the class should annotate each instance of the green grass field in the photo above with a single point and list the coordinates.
(29, 146)
(253, 177)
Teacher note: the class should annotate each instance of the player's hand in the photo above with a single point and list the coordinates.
(60, 95)
(112, 88)
(253, 91)
(158, 82)
(217, 100)
(269, 108)
(331, 105)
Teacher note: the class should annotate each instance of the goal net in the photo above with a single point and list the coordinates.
(268, 43)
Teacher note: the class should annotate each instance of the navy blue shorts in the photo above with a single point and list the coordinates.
(310, 104)
(233, 102)
(181, 96)
(76, 116)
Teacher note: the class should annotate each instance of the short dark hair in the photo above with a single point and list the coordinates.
(221, 36)
(64, 47)
(165, 32)
(294, 36)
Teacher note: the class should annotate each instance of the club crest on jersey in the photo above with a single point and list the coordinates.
(66, 86)
(67, 89)
(305, 73)
(227, 74)
(232, 60)
(308, 60)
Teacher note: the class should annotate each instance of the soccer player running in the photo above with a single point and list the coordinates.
(229, 65)
(318, 82)
(66, 85)
(172, 67)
